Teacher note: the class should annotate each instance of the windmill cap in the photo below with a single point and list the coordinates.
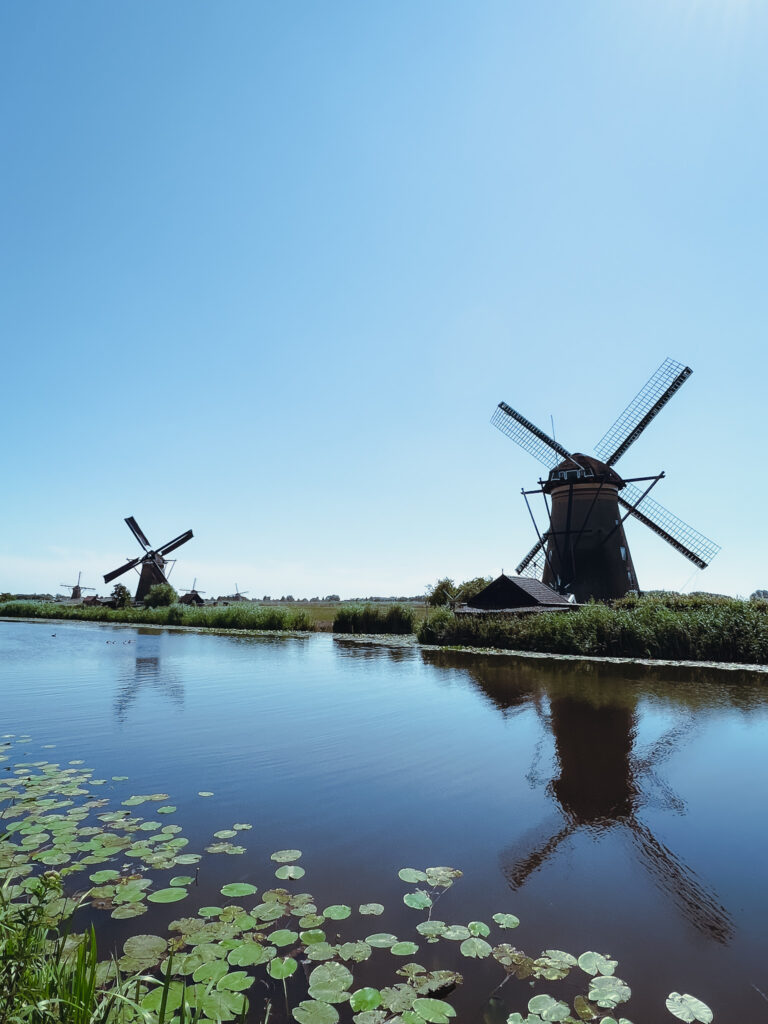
(591, 467)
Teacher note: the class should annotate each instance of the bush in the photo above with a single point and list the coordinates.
(160, 595)
(397, 618)
(694, 627)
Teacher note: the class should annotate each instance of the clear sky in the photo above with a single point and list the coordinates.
(267, 269)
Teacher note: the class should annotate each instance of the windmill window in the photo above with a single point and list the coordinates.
(629, 575)
(623, 551)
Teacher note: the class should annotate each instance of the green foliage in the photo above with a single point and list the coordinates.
(396, 618)
(160, 595)
(442, 593)
(696, 627)
(5, 597)
(121, 596)
(240, 615)
(445, 593)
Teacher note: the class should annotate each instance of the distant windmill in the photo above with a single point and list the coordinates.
(77, 590)
(152, 561)
(239, 595)
(584, 550)
(192, 595)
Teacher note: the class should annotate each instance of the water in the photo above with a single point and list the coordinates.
(614, 808)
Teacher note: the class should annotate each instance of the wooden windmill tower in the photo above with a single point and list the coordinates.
(152, 562)
(584, 550)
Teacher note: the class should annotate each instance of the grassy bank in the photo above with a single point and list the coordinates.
(667, 626)
(371, 618)
(234, 616)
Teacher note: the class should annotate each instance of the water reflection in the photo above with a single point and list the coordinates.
(144, 675)
(602, 780)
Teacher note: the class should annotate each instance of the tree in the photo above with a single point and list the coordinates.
(442, 593)
(759, 595)
(160, 595)
(121, 596)
(469, 588)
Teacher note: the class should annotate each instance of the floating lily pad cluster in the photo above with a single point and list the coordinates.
(52, 817)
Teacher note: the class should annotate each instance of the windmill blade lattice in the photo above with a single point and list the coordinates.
(689, 542)
(646, 404)
(538, 444)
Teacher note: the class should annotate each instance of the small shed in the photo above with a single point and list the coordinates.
(515, 594)
(191, 597)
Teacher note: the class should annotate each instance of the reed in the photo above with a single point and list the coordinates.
(233, 616)
(369, 618)
(675, 627)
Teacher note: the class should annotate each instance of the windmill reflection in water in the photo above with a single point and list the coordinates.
(143, 674)
(603, 781)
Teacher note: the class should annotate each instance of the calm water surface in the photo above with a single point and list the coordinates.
(614, 808)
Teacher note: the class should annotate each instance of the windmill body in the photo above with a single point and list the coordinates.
(584, 551)
(587, 551)
(152, 561)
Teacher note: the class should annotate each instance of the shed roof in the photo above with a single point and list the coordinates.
(516, 592)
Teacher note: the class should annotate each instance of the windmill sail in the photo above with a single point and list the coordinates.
(646, 404)
(538, 444)
(689, 542)
(528, 566)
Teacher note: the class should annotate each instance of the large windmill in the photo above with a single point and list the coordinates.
(152, 561)
(584, 549)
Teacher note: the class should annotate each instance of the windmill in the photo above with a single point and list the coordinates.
(192, 595)
(77, 590)
(584, 550)
(239, 595)
(152, 562)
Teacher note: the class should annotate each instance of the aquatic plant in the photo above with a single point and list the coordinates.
(57, 825)
(695, 628)
(369, 618)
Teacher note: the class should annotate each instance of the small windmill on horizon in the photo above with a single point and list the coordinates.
(76, 588)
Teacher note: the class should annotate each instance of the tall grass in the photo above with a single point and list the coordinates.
(658, 626)
(233, 616)
(50, 977)
(369, 618)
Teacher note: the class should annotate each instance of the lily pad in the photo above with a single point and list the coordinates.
(171, 895)
(181, 880)
(128, 910)
(248, 954)
(435, 1011)
(403, 948)
(381, 940)
(506, 920)
(283, 937)
(329, 983)
(549, 1009)
(475, 947)
(373, 909)
(456, 932)
(312, 1012)
(337, 912)
(357, 952)
(365, 999)
(149, 948)
(596, 963)
(412, 875)
(238, 889)
(236, 981)
(285, 856)
(688, 1008)
(282, 967)
(418, 900)
(290, 871)
(608, 992)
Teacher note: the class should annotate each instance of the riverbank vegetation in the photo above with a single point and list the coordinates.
(243, 954)
(370, 618)
(241, 615)
(696, 627)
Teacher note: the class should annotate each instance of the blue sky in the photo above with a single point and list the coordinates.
(266, 270)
